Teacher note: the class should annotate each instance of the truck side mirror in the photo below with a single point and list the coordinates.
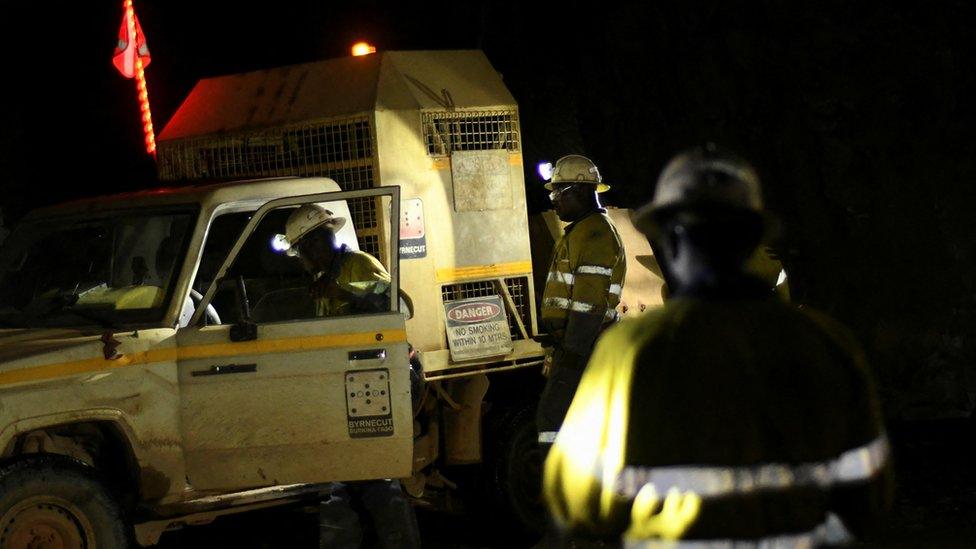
(245, 329)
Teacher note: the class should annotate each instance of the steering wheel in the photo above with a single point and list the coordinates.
(212, 317)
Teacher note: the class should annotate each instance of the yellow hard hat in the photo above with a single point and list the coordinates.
(306, 218)
(574, 168)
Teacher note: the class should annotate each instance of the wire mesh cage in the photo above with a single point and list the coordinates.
(341, 149)
(446, 132)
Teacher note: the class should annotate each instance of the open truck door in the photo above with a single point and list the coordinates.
(275, 395)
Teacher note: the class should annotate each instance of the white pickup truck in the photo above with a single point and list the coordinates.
(160, 365)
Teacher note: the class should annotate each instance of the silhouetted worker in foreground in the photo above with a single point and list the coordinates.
(727, 417)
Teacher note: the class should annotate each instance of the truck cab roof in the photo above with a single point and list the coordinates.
(207, 196)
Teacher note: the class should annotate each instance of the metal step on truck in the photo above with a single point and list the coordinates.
(160, 361)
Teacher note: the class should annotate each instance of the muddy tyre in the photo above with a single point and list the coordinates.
(54, 501)
(514, 468)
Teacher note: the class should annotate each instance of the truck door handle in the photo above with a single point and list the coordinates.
(220, 369)
(369, 354)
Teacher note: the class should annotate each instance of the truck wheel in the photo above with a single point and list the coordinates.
(515, 468)
(54, 501)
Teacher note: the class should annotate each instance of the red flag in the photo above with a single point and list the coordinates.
(132, 43)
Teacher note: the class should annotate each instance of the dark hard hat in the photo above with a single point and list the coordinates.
(701, 183)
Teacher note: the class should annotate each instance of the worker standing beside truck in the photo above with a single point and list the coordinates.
(349, 282)
(582, 288)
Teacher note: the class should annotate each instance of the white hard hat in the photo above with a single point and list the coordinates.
(306, 218)
(574, 168)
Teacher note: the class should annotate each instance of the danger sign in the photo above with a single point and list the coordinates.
(474, 312)
(477, 328)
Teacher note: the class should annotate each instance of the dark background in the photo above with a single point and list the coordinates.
(858, 116)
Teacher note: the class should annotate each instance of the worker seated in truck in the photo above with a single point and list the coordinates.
(345, 281)
(348, 282)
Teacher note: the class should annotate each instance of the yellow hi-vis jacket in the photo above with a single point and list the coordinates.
(361, 275)
(721, 422)
(586, 277)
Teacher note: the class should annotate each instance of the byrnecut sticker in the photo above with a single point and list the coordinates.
(369, 412)
(413, 239)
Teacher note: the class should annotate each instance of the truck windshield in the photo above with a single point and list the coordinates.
(107, 271)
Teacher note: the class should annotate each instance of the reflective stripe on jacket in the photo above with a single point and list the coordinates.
(587, 272)
(742, 422)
